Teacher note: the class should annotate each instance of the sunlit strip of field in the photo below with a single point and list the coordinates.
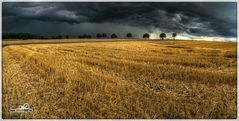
(144, 79)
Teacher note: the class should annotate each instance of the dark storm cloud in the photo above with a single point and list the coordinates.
(198, 19)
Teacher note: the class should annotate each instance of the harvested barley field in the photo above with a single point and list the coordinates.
(121, 79)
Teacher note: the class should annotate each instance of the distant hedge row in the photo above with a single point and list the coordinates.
(25, 36)
(21, 36)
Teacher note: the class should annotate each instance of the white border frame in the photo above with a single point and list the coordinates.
(115, 1)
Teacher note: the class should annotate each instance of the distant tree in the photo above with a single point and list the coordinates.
(129, 35)
(88, 36)
(114, 36)
(162, 36)
(84, 36)
(98, 35)
(67, 36)
(104, 35)
(23, 36)
(42, 37)
(146, 35)
(174, 35)
(57, 37)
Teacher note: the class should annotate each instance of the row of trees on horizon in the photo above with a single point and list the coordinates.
(25, 36)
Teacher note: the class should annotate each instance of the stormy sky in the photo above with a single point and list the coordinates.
(196, 20)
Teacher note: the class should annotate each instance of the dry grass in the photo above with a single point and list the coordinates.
(136, 79)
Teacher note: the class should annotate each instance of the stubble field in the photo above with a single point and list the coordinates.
(122, 79)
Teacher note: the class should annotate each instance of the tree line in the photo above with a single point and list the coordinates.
(162, 35)
(25, 36)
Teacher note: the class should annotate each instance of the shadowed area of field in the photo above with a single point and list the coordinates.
(122, 79)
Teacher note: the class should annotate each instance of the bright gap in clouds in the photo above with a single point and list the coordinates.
(155, 33)
(185, 36)
(190, 37)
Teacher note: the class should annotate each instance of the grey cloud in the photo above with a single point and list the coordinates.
(198, 19)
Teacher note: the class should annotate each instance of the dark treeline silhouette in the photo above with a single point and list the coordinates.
(104, 35)
(114, 36)
(57, 37)
(23, 36)
(129, 35)
(174, 35)
(146, 35)
(162, 36)
(84, 36)
(99, 35)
